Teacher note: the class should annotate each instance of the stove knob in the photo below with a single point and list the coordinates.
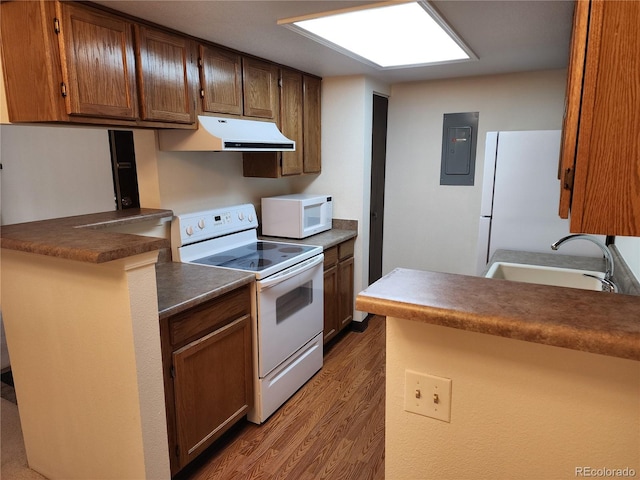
(201, 224)
(250, 218)
(189, 230)
(240, 216)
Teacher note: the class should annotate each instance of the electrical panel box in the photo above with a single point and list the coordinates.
(459, 138)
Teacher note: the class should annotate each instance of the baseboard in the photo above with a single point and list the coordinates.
(360, 326)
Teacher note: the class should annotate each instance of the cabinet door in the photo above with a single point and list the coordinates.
(312, 117)
(345, 293)
(606, 191)
(291, 119)
(98, 63)
(220, 80)
(164, 62)
(573, 99)
(330, 303)
(260, 85)
(212, 386)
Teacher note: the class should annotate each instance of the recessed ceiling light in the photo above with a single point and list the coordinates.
(386, 35)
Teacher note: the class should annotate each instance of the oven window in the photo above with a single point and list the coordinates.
(294, 301)
(312, 215)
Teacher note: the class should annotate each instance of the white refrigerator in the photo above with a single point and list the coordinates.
(520, 196)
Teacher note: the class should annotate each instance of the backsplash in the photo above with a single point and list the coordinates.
(626, 258)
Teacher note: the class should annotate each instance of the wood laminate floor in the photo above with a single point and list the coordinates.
(332, 428)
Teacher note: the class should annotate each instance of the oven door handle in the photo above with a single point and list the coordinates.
(290, 272)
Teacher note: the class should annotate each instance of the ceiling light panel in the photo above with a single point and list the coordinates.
(389, 35)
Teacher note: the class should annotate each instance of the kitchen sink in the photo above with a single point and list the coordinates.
(559, 277)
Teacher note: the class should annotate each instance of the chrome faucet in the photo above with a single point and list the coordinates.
(607, 283)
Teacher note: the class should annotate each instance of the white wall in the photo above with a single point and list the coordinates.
(629, 248)
(50, 172)
(347, 112)
(87, 365)
(434, 227)
(190, 181)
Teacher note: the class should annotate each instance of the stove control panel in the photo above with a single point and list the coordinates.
(198, 226)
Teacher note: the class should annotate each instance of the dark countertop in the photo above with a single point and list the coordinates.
(184, 285)
(595, 322)
(548, 260)
(84, 237)
(180, 286)
(342, 231)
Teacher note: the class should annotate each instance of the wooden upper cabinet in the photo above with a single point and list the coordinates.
(299, 121)
(260, 86)
(164, 64)
(312, 88)
(573, 98)
(77, 63)
(220, 80)
(98, 64)
(601, 136)
(291, 120)
(65, 62)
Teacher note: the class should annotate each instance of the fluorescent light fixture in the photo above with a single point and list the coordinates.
(386, 35)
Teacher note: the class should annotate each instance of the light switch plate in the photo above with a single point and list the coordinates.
(427, 395)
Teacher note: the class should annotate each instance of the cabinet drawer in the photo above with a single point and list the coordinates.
(345, 249)
(330, 257)
(200, 320)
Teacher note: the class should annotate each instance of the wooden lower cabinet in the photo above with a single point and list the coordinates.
(338, 288)
(207, 362)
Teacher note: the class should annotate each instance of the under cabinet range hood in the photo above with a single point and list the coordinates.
(222, 134)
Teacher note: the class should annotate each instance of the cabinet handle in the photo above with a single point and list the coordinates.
(56, 26)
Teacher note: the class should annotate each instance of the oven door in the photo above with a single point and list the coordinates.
(290, 312)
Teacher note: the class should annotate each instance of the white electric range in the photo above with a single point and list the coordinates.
(289, 304)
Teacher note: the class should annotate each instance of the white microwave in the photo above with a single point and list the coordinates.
(297, 215)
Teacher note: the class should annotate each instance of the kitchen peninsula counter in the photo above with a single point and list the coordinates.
(538, 381)
(86, 238)
(80, 309)
(595, 322)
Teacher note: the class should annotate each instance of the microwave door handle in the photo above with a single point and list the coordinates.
(290, 272)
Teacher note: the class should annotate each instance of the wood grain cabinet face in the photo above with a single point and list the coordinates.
(98, 63)
(207, 362)
(260, 86)
(312, 88)
(600, 159)
(330, 293)
(345, 282)
(220, 80)
(299, 121)
(164, 64)
(291, 120)
(65, 62)
(210, 385)
(339, 288)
